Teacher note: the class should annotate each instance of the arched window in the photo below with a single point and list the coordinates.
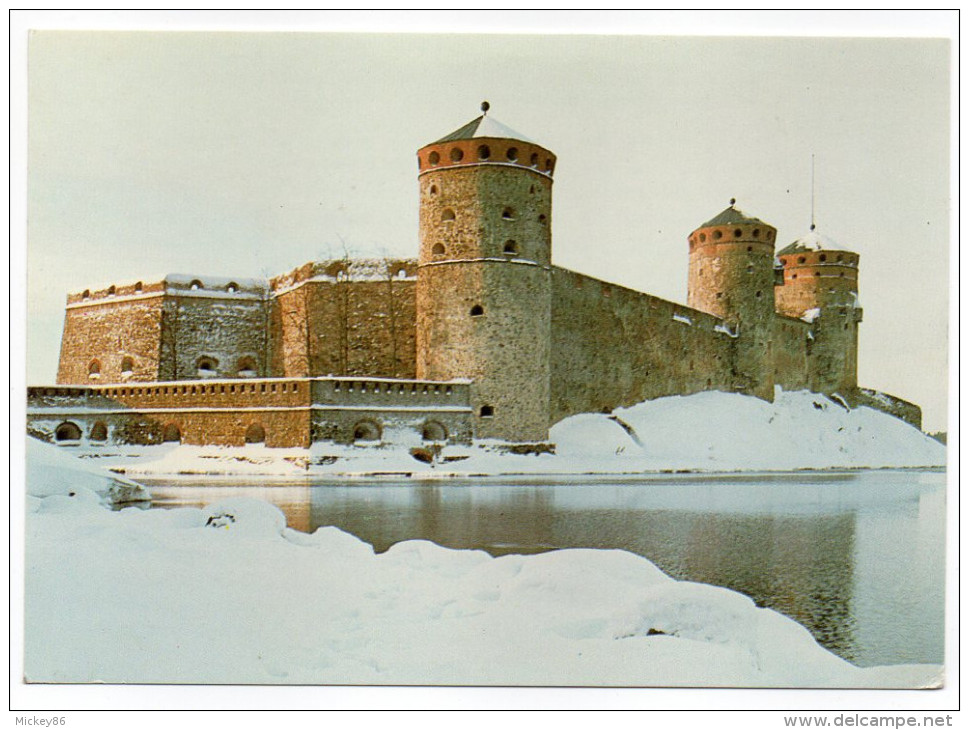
(511, 247)
(127, 366)
(67, 431)
(434, 431)
(447, 215)
(232, 287)
(477, 310)
(484, 152)
(99, 431)
(457, 154)
(737, 233)
(139, 287)
(366, 431)
(86, 294)
(543, 219)
(171, 433)
(246, 367)
(401, 273)
(255, 434)
(512, 154)
(195, 285)
(487, 411)
(433, 190)
(508, 214)
(112, 290)
(94, 369)
(434, 158)
(207, 367)
(533, 160)
(438, 249)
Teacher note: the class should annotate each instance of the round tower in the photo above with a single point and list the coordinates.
(731, 276)
(483, 280)
(820, 285)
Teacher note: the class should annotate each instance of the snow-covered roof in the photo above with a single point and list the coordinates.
(812, 241)
(217, 282)
(729, 216)
(484, 126)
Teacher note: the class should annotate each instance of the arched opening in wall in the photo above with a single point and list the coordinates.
(757, 294)
(840, 257)
(139, 287)
(195, 285)
(171, 434)
(457, 154)
(737, 233)
(817, 273)
(709, 382)
(434, 158)
(437, 249)
(548, 164)
(127, 366)
(246, 367)
(543, 219)
(447, 215)
(487, 411)
(770, 235)
(512, 155)
(112, 290)
(756, 233)
(477, 310)
(401, 273)
(750, 269)
(67, 431)
(533, 160)
(86, 294)
(508, 214)
(255, 434)
(800, 259)
(434, 431)
(94, 370)
(749, 249)
(822, 257)
(232, 287)
(433, 190)
(366, 431)
(717, 235)
(511, 247)
(206, 367)
(484, 152)
(703, 238)
(99, 431)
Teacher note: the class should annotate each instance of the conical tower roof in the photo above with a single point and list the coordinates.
(484, 126)
(812, 241)
(731, 216)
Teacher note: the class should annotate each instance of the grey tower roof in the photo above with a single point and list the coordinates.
(484, 126)
(813, 241)
(730, 216)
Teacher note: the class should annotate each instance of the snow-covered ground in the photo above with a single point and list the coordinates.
(703, 432)
(229, 594)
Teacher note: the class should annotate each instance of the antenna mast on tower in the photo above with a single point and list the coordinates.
(812, 191)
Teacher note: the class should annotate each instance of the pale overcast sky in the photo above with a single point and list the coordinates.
(248, 154)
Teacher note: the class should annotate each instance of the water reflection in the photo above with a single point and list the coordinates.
(819, 548)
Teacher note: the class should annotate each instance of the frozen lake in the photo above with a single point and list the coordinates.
(856, 557)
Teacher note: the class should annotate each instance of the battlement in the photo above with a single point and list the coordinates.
(345, 270)
(184, 285)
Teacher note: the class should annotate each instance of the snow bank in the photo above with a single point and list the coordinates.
(54, 471)
(230, 595)
(709, 431)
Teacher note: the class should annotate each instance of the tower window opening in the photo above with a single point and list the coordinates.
(770, 235)
(533, 160)
(800, 259)
(840, 257)
(749, 249)
(433, 190)
(477, 310)
(817, 273)
(548, 165)
(447, 215)
(750, 269)
(512, 154)
(793, 276)
(717, 235)
(457, 155)
(438, 249)
(484, 152)
(508, 214)
(719, 295)
(542, 219)
(434, 158)
(531, 190)
(487, 411)
(783, 262)
(842, 275)
(738, 233)
(756, 233)
(757, 294)
(511, 247)
(703, 237)
(822, 257)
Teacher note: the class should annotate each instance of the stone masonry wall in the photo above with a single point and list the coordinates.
(791, 348)
(115, 333)
(613, 346)
(345, 318)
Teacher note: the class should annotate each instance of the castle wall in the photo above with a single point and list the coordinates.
(107, 326)
(613, 347)
(792, 343)
(354, 318)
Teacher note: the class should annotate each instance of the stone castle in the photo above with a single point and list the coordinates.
(479, 337)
